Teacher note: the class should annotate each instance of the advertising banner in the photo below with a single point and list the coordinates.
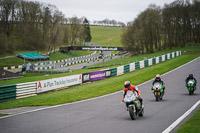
(95, 48)
(56, 83)
(98, 75)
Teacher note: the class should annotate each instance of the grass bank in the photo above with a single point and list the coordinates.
(106, 36)
(98, 88)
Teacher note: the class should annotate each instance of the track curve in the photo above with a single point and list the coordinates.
(106, 114)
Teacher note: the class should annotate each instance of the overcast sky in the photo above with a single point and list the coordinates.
(119, 10)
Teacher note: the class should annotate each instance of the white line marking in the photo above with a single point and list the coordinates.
(91, 98)
(173, 125)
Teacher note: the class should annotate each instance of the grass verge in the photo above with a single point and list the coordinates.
(1, 115)
(98, 88)
(192, 125)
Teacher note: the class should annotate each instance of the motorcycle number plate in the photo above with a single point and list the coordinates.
(129, 99)
(157, 93)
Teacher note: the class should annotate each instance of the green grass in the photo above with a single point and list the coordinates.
(106, 36)
(98, 88)
(1, 115)
(11, 62)
(192, 125)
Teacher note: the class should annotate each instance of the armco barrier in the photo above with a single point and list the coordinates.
(137, 65)
(120, 70)
(7, 92)
(113, 72)
(126, 68)
(132, 67)
(141, 64)
(25, 89)
(160, 59)
(146, 63)
(150, 61)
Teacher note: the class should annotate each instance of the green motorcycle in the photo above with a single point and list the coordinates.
(191, 86)
(158, 91)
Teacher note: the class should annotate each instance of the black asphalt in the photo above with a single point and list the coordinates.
(108, 115)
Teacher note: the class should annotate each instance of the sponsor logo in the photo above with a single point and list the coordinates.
(75, 48)
(97, 75)
(124, 49)
(108, 73)
(39, 85)
(86, 77)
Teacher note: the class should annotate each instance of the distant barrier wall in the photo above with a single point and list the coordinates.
(46, 63)
(7, 92)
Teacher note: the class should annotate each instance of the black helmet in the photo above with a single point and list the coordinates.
(127, 84)
(191, 76)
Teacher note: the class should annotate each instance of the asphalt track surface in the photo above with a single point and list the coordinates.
(107, 115)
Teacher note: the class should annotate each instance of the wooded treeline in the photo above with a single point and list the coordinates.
(176, 24)
(27, 25)
(108, 22)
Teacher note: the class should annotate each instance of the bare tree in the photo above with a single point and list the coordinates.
(74, 28)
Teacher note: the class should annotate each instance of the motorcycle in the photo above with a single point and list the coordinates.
(191, 86)
(158, 91)
(133, 105)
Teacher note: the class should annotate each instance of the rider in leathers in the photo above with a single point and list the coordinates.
(190, 77)
(158, 79)
(129, 86)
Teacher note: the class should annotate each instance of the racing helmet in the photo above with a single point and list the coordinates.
(158, 77)
(127, 84)
(191, 76)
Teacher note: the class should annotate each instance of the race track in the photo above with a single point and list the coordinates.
(108, 115)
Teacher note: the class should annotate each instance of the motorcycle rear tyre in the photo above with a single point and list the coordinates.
(141, 113)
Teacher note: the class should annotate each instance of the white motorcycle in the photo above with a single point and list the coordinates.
(133, 105)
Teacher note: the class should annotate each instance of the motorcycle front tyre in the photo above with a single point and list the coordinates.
(132, 112)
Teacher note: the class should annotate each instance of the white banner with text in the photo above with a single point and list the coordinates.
(56, 83)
